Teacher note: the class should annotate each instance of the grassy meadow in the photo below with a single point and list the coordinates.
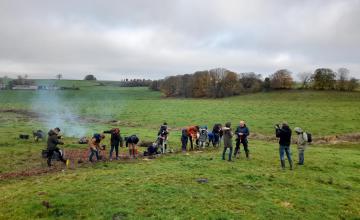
(327, 187)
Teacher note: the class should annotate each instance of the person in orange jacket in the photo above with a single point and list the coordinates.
(193, 134)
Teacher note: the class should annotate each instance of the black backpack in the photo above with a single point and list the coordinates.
(309, 137)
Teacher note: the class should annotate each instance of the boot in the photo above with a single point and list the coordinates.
(282, 164)
(247, 154)
(291, 164)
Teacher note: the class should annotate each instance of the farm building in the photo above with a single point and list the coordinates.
(25, 87)
(46, 87)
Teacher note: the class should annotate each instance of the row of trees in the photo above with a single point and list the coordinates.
(123, 83)
(214, 83)
(218, 83)
(134, 83)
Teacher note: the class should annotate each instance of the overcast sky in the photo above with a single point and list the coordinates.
(116, 39)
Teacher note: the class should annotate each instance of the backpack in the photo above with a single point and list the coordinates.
(309, 137)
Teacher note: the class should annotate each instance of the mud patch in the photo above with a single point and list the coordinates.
(23, 112)
(330, 139)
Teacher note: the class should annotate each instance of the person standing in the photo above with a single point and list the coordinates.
(301, 144)
(228, 135)
(52, 142)
(242, 133)
(115, 141)
(284, 135)
(184, 139)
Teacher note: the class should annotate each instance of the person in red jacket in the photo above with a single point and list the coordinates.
(193, 133)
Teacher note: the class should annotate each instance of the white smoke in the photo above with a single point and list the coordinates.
(55, 111)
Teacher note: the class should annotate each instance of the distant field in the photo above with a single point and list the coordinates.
(327, 187)
(322, 113)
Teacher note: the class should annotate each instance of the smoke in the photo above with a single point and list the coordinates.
(56, 111)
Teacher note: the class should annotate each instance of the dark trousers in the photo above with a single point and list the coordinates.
(216, 140)
(184, 141)
(93, 152)
(51, 153)
(116, 148)
(224, 152)
(245, 144)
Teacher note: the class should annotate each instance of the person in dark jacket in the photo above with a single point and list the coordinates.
(284, 135)
(228, 135)
(131, 142)
(115, 141)
(184, 139)
(242, 133)
(52, 142)
(217, 134)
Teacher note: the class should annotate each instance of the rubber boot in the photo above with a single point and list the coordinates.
(291, 164)
(247, 154)
(282, 164)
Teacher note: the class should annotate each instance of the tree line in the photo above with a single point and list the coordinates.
(122, 83)
(218, 83)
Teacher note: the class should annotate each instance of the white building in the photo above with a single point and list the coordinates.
(24, 87)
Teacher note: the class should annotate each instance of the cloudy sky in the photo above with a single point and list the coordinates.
(116, 39)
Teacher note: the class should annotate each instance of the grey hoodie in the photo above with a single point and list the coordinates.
(302, 138)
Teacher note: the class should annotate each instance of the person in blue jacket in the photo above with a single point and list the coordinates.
(242, 132)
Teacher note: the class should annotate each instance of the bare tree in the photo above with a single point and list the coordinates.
(342, 78)
(59, 76)
(305, 79)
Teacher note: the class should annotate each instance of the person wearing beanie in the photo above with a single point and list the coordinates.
(52, 142)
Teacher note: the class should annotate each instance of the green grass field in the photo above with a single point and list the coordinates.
(327, 187)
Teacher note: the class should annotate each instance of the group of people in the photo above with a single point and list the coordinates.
(241, 133)
(284, 132)
(198, 135)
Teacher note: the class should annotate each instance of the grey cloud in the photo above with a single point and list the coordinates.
(152, 39)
